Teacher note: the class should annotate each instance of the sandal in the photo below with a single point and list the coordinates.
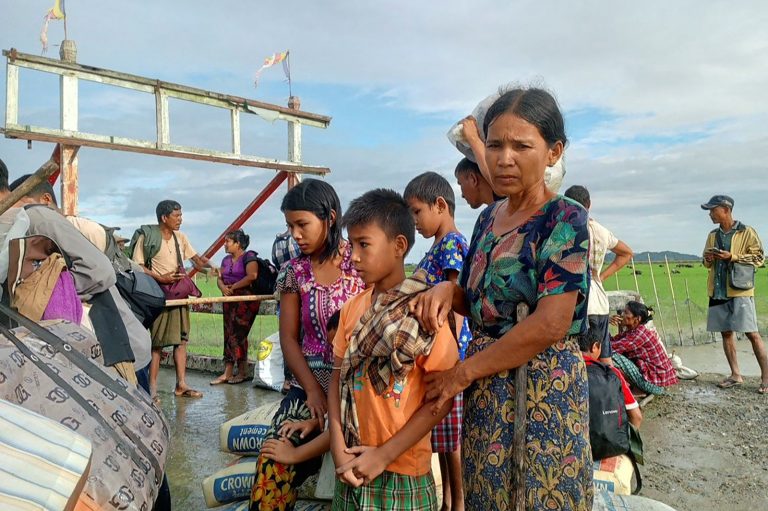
(238, 379)
(728, 383)
(156, 400)
(187, 393)
(221, 379)
(762, 389)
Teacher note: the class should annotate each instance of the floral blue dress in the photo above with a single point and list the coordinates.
(443, 257)
(547, 255)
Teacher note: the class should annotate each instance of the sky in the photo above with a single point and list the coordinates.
(664, 102)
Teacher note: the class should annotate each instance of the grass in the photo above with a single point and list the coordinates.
(692, 303)
(207, 330)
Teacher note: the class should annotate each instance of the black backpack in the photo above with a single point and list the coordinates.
(608, 420)
(140, 291)
(265, 279)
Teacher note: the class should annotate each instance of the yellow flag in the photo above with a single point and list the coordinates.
(57, 11)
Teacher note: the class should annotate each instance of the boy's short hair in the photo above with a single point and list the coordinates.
(427, 187)
(466, 166)
(589, 339)
(387, 209)
(580, 194)
(333, 322)
(3, 177)
(36, 192)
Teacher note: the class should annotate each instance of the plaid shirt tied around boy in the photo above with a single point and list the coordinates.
(385, 344)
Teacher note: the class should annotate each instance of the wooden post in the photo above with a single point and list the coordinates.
(658, 303)
(294, 142)
(634, 272)
(674, 301)
(69, 121)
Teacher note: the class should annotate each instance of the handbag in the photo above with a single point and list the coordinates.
(183, 288)
(741, 276)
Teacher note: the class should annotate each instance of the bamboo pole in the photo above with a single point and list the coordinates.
(618, 287)
(674, 301)
(690, 314)
(658, 304)
(634, 273)
(218, 299)
(521, 412)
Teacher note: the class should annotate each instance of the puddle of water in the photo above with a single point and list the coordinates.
(194, 425)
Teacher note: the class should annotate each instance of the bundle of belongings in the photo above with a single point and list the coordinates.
(51, 271)
(68, 345)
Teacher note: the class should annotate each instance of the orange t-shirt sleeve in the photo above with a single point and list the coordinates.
(340, 340)
(444, 354)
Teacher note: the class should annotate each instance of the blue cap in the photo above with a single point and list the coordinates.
(718, 200)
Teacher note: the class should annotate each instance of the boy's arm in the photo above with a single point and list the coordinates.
(623, 256)
(372, 461)
(453, 276)
(635, 417)
(337, 444)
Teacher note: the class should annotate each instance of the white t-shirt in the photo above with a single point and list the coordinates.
(601, 240)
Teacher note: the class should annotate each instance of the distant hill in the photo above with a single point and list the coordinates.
(642, 257)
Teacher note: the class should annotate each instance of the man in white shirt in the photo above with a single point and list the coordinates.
(601, 240)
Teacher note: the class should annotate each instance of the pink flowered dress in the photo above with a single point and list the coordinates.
(318, 303)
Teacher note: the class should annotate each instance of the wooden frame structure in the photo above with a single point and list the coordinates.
(70, 139)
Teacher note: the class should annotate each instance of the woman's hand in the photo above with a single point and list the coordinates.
(226, 290)
(471, 133)
(616, 320)
(368, 464)
(443, 386)
(432, 307)
(318, 405)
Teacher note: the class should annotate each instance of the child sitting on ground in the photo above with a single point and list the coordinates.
(379, 418)
(590, 349)
(282, 450)
(432, 203)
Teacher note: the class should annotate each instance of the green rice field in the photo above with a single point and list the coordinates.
(691, 305)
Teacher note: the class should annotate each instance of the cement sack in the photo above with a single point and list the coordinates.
(605, 501)
(233, 483)
(268, 370)
(614, 475)
(44, 463)
(58, 372)
(245, 433)
(301, 505)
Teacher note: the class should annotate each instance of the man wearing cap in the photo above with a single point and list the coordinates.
(731, 297)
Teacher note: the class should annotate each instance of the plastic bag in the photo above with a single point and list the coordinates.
(268, 371)
(554, 175)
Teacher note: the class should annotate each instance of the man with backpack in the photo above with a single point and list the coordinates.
(611, 403)
(161, 250)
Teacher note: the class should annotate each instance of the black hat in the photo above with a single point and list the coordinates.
(718, 200)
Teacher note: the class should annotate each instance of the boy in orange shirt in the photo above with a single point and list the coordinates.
(379, 420)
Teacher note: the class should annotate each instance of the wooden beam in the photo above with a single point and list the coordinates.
(243, 217)
(150, 147)
(12, 94)
(40, 175)
(162, 119)
(143, 84)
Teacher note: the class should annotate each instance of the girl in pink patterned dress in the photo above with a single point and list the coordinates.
(312, 287)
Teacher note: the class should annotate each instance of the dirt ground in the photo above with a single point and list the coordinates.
(706, 448)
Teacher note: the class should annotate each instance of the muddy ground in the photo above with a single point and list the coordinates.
(707, 448)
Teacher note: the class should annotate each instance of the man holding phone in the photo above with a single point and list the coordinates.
(731, 298)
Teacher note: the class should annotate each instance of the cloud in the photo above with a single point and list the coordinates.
(666, 100)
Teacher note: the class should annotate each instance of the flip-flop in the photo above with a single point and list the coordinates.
(220, 380)
(762, 389)
(188, 393)
(156, 400)
(238, 379)
(728, 383)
